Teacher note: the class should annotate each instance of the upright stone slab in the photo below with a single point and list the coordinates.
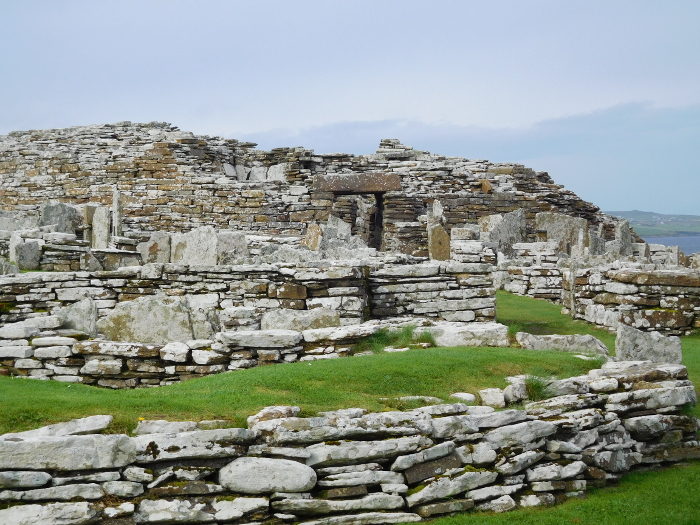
(623, 235)
(117, 212)
(155, 319)
(101, 228)
(81, 315)
(563, 229)
(196, 247)
(26, 254)
(65, 217)
(634, 345)
(505, 230)
(231, 246)
(438, 242)
(156, 249)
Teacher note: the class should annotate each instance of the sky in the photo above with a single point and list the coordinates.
(603, 95)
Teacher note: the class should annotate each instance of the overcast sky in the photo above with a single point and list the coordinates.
(604, 95)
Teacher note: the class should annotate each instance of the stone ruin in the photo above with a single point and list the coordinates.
(152, 255)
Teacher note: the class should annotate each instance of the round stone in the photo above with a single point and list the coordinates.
(263, 475)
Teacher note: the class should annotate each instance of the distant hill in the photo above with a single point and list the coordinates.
(651, 224)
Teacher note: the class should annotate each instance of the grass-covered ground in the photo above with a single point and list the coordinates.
(663, 497)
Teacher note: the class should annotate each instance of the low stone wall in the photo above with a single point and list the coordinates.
(350, 467)
(37, 352)
(534, 272)
(643, 297)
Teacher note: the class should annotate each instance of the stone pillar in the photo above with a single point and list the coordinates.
(100, 228)
(117, 213)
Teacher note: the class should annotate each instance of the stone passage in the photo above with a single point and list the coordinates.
(351, 467)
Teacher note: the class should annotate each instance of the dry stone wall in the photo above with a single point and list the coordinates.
(348, 466)
(169, 180)
(642, 296)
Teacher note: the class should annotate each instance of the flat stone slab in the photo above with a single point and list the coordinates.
(357, 183)
(261, 338)
(75, 427)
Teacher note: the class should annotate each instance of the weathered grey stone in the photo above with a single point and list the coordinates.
(68, 452)
(367, 518)
(266, 475)
(449, 486)
(274, 412)
(19, 330)
(95, 477)
(536, 500)
(123, 489)
(299, 320)
(102, 365)
(445, 507)
(520, 433)
(75, 427)
(465, 397)
(431, 469)
(155, 319)
(227, 510)
(50, 514)
(26, 255)
(261, 338)
(438, 451)
(494, 491)
(160, 426)
(196, 247)
(469, 334)
(502, 504)
(53, 341)
(137, 474)
(231, 247)
(81, 315)
(493, 397)
(644, 428)
(375, 501)
(101, 228)
(560, 404)
(479, 454)
(520, 462)
(52, 352)
(156, 249)
(651, 399)
(16, 352)
(65, 493)
(438, 242)
(365, 477)
(64, 216)
(634, 345)
(175, 511)
(124, 509)
(364, 451)
(218, 443)
(176, 352)
(204, 315)
(563, 343)
(23, 479)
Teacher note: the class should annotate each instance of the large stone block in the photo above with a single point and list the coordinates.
(266, 475)
(65, 217)
(25, 254)
(81, 315)
(261, 338)
(299, 320)
(634, 345)
(469, 334)
(68, 453)
(156, 249)
(50, 514)
(357, 182)
(196, 247)
(563, 343)
(155, 319)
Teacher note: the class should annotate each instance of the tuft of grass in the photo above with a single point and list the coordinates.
(537, 388)
(406, 336)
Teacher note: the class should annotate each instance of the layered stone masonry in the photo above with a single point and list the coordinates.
(171, 180)
(348, 466)
(642, 296)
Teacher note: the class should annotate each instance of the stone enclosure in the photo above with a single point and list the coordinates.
(138, 255)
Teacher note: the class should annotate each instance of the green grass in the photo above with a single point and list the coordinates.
(321, 385)
(540, 317)
(663, 497)
(666, 497)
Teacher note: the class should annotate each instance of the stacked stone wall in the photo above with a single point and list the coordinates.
(647, 298)
(174, 181)
(349, 467)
